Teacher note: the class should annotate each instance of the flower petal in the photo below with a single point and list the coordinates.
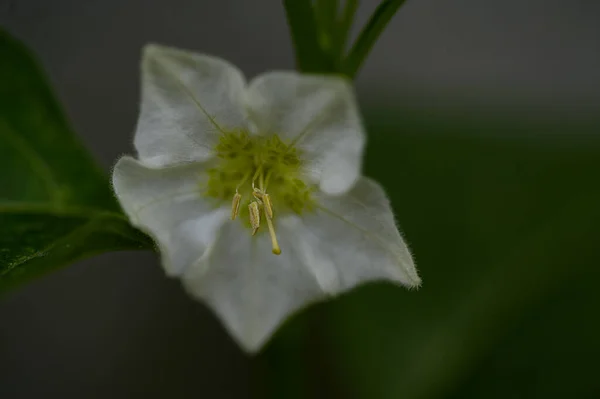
(353, 239)
(187, 99)
(250, 289)
(167, 204)
(319, 115)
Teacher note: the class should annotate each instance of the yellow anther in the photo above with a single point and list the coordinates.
(235, 205)
(254, 216)
(261, 200)
(256, 193)
(265, 200)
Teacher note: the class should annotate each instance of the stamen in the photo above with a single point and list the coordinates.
(254, 216)
(256, 193)
(274, 243)
(256, 174)
(267, 179)
(261, 181)
(266, 199)
(235, 205)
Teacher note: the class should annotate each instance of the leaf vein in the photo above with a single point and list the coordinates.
(36, 162)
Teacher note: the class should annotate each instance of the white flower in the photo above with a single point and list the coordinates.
(281, 156)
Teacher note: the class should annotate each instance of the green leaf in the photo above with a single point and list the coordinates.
(56, 205)
(369, 35)
(310, 57)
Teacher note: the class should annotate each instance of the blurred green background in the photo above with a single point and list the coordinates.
(493, 174)
(504, 227)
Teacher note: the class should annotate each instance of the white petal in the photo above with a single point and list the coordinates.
(167, 204)
(250, 289)
(353, 239)
(320, 115)
(187, 99)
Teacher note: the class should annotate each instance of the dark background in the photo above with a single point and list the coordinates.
(483, 122)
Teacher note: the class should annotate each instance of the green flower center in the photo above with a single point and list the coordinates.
(262, 176)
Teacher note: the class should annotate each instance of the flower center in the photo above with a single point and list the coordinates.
(260, 175)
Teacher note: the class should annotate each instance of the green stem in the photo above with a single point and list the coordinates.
(369, 35)
(310, 57)
(344, 27)
(326, 17)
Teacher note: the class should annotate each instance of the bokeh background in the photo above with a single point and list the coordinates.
(484, 127)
